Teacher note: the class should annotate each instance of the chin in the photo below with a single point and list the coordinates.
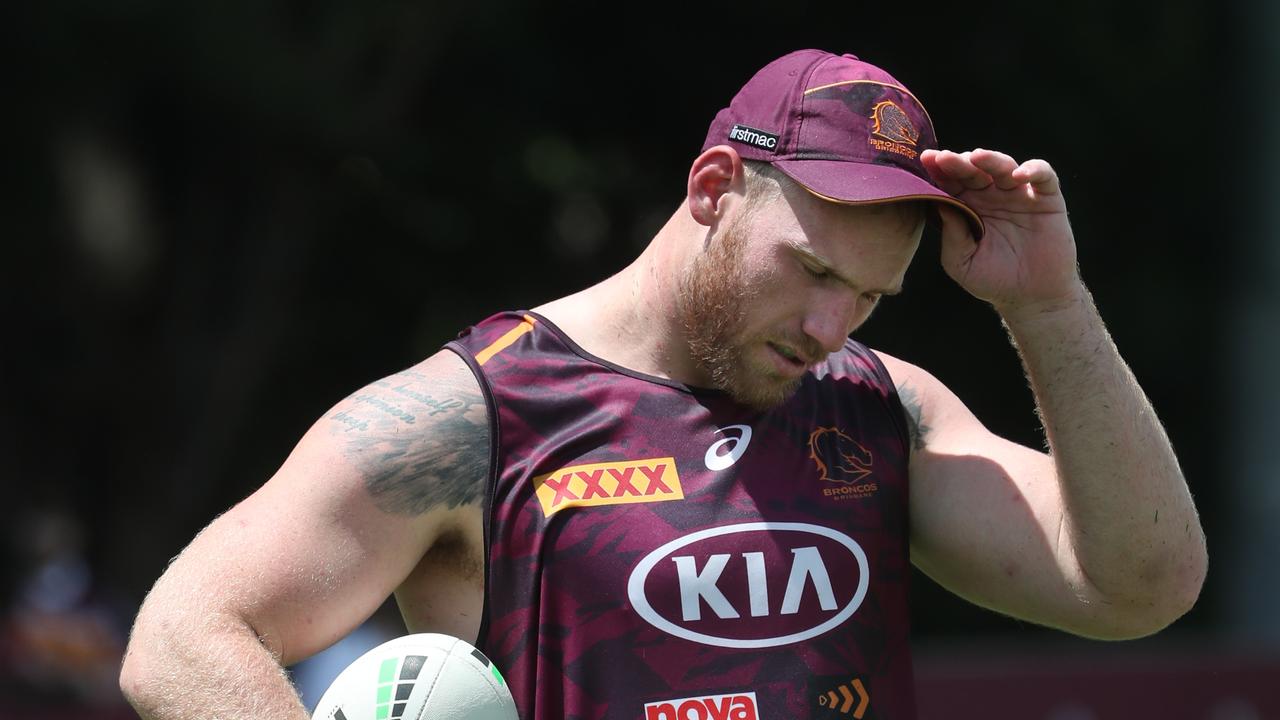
(763, 392)
(750, 381)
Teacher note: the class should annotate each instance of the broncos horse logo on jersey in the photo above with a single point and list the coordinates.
(839, 457)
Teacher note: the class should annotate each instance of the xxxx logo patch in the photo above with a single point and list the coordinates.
(611, 483)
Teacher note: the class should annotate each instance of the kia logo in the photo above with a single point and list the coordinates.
(751, 585)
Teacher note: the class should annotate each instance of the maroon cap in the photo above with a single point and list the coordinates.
(842, 128)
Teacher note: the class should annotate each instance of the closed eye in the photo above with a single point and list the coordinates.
(815, 272)
(821, 273)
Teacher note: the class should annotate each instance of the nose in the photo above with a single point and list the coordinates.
(831, 318)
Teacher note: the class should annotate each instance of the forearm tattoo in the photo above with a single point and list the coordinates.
(916, 429)
(420, 441)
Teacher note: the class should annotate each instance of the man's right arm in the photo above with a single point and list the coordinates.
(313, 552)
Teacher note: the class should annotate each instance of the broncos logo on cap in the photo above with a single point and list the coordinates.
(892, 123)
(839, 457)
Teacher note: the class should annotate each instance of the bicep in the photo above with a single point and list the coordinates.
(986, 514)
(366, 492)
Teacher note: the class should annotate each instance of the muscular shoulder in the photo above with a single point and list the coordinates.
(419, 437)
(936, 418)
(922, 395)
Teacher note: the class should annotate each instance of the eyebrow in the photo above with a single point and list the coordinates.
(808, 253)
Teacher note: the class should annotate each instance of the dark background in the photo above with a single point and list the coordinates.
(222, 218)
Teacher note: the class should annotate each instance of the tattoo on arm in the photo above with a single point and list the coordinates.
(422, 442)
(914, 413)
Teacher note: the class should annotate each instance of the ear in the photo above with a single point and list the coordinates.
(716, 179)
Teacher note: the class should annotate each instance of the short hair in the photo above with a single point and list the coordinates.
(764, 181)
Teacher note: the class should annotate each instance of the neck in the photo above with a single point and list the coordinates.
(631, 318)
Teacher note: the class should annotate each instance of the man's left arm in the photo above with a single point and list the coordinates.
(1109, 498)
(1129, 512)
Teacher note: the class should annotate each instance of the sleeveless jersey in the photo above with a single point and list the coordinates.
(661, 552)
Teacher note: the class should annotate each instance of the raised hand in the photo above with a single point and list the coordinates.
(1027, 259)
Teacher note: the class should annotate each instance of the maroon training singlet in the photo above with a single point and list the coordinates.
(660, 552)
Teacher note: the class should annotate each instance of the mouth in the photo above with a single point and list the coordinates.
(789, 357)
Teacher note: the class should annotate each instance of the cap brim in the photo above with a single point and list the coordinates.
(853, 183)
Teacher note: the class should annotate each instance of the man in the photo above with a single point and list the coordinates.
(683, 492)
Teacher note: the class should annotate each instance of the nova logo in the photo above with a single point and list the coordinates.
(711, 707)
(612, 483)
(753, 585)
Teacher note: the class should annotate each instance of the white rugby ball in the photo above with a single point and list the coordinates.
(426, 676)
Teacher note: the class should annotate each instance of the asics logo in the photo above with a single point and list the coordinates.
(726, 451)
